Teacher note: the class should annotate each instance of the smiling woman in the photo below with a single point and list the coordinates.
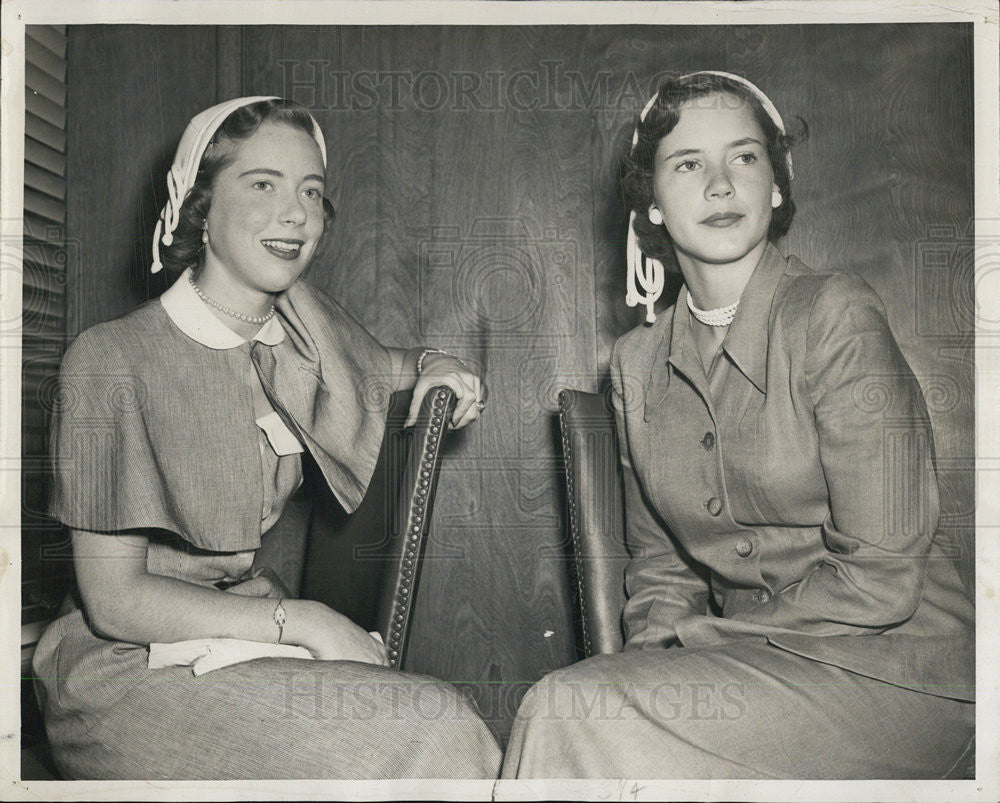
(264, 223)
(179, 446)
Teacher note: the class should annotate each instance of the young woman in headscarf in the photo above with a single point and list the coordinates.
(789, 612)
(177, 445)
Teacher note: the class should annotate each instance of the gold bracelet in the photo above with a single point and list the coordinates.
(280, 617)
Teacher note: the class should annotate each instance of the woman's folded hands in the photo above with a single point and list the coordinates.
(328, 635)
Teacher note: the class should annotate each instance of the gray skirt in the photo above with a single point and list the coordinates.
(108, 716)
(743, 710)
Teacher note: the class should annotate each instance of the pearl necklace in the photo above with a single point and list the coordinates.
(260, 320)
(720, 316)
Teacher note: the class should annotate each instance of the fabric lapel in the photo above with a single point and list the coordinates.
(747, 339)
(330, 381)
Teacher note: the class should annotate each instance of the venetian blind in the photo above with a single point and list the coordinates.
(46, 256)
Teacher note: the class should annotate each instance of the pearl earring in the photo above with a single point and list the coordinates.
(776, 199)
(655, 216)
(204, 235)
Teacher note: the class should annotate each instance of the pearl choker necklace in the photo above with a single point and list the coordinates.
(720, 316)
(259, 320)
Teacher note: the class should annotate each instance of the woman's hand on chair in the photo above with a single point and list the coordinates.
(444, 369)
(330, 636)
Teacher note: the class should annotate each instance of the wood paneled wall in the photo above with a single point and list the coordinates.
(473, 170)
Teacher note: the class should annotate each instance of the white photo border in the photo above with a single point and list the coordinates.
(984, 17)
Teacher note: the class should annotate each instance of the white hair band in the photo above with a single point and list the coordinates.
(647, 272)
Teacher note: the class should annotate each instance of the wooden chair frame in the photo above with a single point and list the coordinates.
(381, 545)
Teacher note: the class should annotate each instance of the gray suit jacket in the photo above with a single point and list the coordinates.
(795, 488)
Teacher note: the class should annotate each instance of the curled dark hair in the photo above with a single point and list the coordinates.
(638, 165)
(186, 249)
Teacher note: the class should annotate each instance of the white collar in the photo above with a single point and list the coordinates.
(195, 319)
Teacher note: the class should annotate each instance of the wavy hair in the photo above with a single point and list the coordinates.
(186, 249)
(638, 164)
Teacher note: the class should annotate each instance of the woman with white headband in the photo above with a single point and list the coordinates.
(179, 442)
(789, 612)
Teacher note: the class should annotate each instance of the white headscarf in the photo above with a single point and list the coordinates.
(182, 174)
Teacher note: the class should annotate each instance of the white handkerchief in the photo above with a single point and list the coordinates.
(280, 437)
(204, 655)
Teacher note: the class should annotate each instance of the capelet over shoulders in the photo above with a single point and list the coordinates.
(147, 427)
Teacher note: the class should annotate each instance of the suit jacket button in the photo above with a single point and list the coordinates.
(714, 505)
(708, 441)
(760, 596)
(744, 547)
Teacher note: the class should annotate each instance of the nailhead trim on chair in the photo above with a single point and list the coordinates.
(402, 598)
(574, 526)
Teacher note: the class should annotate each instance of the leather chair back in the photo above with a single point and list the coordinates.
(596, 517)
(366, 565)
